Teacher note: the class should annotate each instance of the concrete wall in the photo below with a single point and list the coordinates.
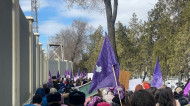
(40, 63)
(34, 63)
(6, 52)
(39, 66)
(24, 58)
(53, 67)
(62, 67)
(23, 64)
(45, 75)
(69, 66)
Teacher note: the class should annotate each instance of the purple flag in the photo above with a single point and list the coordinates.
(79, 72)
(50, 77)
(157, 76)
(82, 75)
(103, 74)
(71, 74)
(67, 72)
(187, 88)
(58, 76)
(75, 74)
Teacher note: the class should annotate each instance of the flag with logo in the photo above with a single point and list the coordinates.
(103, 74)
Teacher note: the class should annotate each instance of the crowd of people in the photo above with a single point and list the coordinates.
(64, 92)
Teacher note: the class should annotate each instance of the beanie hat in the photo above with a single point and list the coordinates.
(40, 91)
(53, 77)
(146, 86)
(103, 104)
(53, 97)
(76, 98)
(53, 90)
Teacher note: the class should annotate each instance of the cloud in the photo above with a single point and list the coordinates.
(26, 4)
(51, 23)
(127, 7)
(50, 27)
(125, 10)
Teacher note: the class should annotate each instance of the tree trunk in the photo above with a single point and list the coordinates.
(111, 23)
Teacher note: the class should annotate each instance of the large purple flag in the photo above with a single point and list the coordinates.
(187, 88)
(58, 76)
(50, 76)
(157, 76)
(103, 74)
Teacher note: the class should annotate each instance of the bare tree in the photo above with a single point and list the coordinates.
(110, 13)
(73, 38)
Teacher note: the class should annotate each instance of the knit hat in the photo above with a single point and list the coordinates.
(53, 77)
(146, 86)
(53, 97)
(40, 91)
(76, 98)
(53, 90)
(103, 104)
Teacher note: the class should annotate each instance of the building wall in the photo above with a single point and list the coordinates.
(34, 63)
(53, 67)
(24, 58)
(14, 52)
(69, 66)
(63, 68)
(6, 52)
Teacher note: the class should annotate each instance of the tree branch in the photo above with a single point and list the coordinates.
(108, 10)
(115, 10)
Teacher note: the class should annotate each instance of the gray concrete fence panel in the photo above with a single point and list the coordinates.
(53, 67)
(34, 63)
(24, 58)
(6, 52)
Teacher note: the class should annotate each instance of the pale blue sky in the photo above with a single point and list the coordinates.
(53, 15)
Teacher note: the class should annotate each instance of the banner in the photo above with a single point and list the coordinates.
(85, 88)
(124, 78)
(133, 83)
(90, 75)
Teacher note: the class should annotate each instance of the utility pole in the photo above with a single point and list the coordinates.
(35, 4)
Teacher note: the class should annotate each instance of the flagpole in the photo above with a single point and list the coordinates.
(116, 85)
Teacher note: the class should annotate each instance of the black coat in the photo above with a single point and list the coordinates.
(182, 100)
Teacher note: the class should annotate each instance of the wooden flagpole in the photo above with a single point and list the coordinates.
(116, 85)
